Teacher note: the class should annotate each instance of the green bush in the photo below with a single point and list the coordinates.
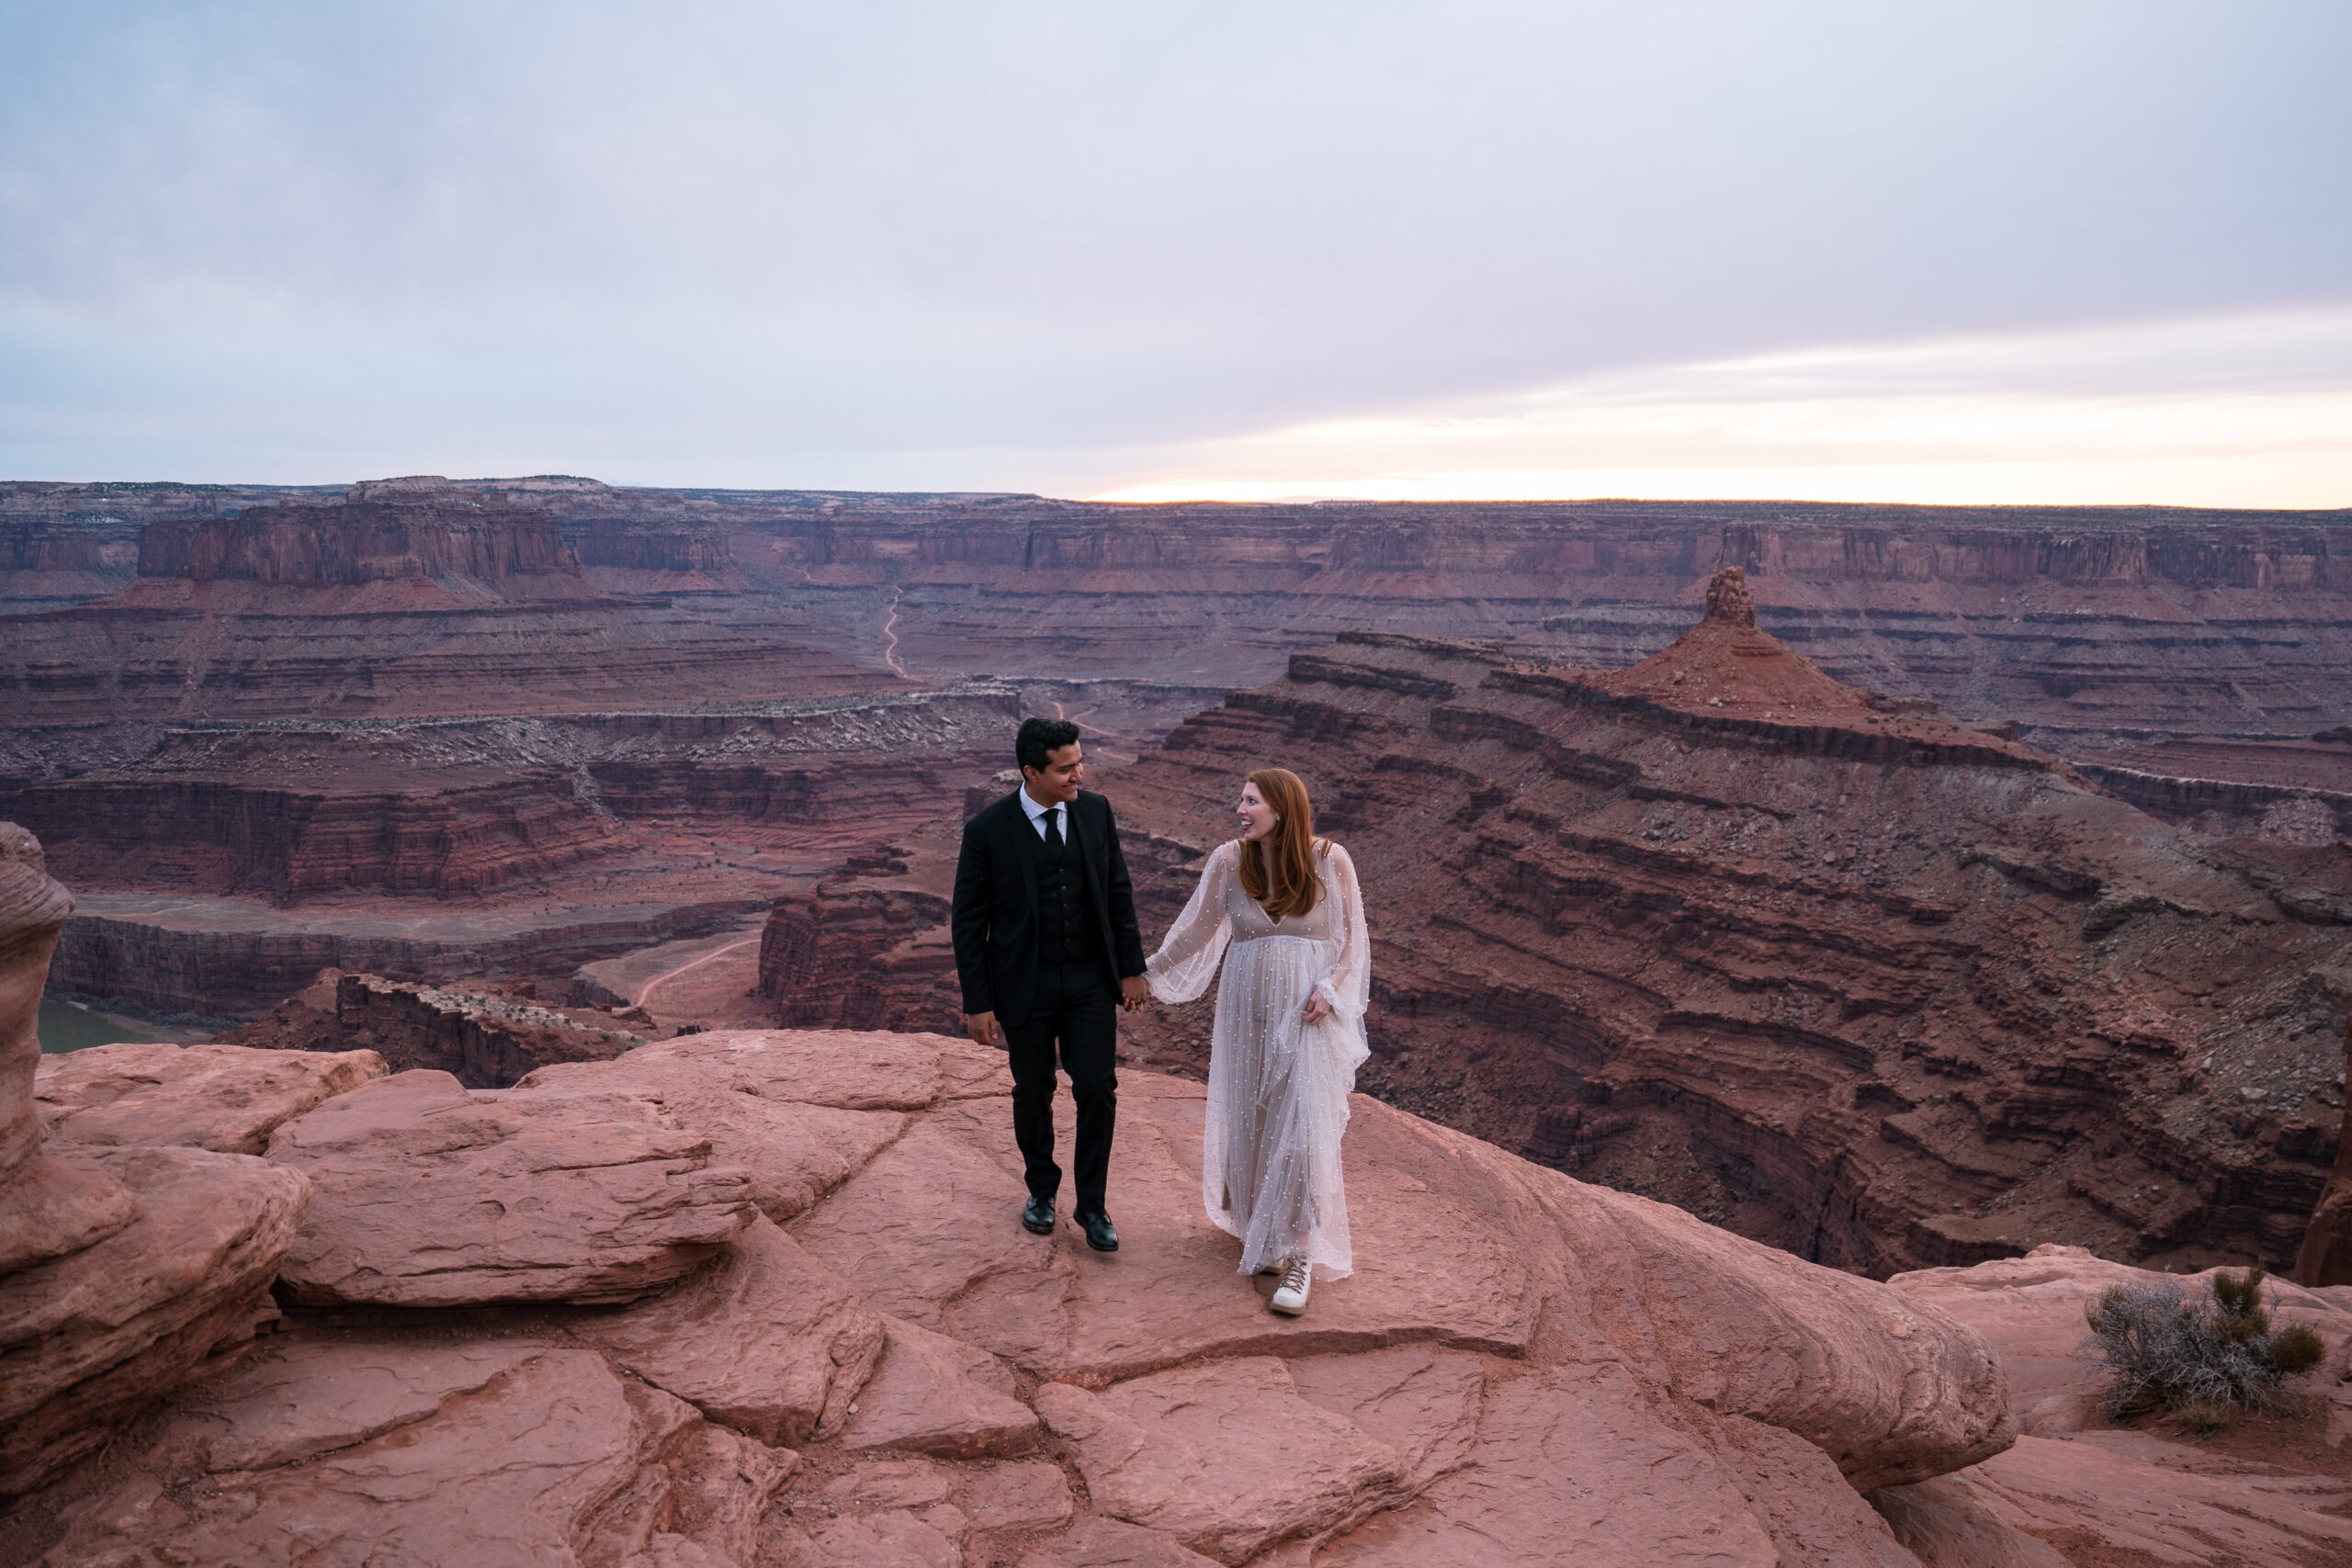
(2202, 1358)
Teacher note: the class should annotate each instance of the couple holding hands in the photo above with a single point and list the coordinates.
(1047, 950)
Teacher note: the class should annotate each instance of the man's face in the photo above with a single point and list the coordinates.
(1056, 784)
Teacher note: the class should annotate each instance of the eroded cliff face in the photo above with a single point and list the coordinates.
(2085, 624)
(1873, 984)
(392, 602)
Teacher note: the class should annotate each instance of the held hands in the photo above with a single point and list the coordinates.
(1316, 1009)
(985, 1029)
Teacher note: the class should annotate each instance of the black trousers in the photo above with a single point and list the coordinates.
(1077, 1011)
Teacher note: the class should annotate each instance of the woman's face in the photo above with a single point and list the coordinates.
(1258, 819)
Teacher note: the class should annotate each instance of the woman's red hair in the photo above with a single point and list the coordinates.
(1280, 876)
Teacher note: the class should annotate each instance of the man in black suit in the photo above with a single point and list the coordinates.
(1046, 949)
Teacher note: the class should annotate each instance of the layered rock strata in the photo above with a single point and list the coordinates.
(433, 602)
(2089, 622)
(225, 866)
(482, 1041)
(1875, 985)
(862, 954)
(2295, 791)
(123, 1266)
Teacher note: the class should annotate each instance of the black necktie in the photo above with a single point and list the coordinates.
(1054, 830)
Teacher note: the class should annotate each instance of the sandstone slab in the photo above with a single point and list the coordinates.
(2129, 1493)
(1113, 1543)
(932, 1230)
(553, 1461)
(795, 1151)
(853, 1070)
(893, 1538)
(90, 1339)
(936, 1396)
(433, 1195)
(1227, 1459)
(1578, 1463)
(313, 1396)
(765, 1338)
(1018, 1495)
(224, 1098)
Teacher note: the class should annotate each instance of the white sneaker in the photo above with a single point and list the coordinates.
(1290, 1297)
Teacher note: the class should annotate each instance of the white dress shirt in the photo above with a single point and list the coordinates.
(1037, 814)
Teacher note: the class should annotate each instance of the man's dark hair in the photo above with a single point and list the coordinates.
(1040, 738)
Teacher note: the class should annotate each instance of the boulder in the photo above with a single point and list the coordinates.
(89, 1339)
(121, 1270)
(228, 1099)
(429, 1194)
(765, 1339)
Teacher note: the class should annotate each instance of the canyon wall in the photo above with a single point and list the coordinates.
(2091, 626)
(1842, 972)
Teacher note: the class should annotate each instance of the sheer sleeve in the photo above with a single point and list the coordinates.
(1187, 959)
(1349, 986)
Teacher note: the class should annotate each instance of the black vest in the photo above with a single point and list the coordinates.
(1064, 933)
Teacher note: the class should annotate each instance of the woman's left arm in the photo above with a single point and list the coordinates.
(1348, 988)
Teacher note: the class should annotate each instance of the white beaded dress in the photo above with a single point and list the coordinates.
(1278, 1087)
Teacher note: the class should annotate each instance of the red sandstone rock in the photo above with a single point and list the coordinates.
(227, 1099)
(89, 1339)
(1227, 1459)
(1456, 1242)
(430, 1195)
(120, 1269)
(852, 1071)
(1025, 1495)
(2325, 1255)
(795, 1152)
(932, 1394)
(1109, 1543)
(315, 1396)
(549, 1459)
(1433, 1383)
(767, 1340)
(2073, 1480)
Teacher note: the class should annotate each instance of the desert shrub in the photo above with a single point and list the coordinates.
(2296, 1349)
(2203, 1356)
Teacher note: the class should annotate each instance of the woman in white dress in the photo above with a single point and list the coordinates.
(1281, 907)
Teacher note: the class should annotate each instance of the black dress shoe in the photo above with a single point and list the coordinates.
(1038, 1217)
(1099, 1234)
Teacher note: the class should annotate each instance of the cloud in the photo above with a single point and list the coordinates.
(944, 245)
(2253, 411)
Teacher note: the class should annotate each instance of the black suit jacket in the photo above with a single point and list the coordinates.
(995, 917)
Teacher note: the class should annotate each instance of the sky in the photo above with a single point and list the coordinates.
(1986, 252)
